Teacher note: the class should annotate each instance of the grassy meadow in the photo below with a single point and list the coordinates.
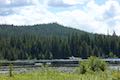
(49, 74)
(92, 69)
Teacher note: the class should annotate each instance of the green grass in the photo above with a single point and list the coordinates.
(56, 75)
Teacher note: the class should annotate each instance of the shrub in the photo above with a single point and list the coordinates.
(96, 64)
(93, 64)
(82, 67)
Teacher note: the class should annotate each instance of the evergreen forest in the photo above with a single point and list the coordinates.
(54, 41)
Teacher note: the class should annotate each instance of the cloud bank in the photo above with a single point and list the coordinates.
(98, 16)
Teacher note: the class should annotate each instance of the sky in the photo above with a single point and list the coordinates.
(96, 16)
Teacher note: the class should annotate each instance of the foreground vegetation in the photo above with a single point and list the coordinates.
(55, 75)
(91, 69)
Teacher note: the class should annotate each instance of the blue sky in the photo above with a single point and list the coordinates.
(97, 16)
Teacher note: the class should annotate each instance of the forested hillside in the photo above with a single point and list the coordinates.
(52, 29)
(54, 41)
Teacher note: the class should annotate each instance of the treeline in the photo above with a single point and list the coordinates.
(54, 42)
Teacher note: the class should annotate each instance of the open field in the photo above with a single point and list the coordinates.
(50, 74)
(91, 69)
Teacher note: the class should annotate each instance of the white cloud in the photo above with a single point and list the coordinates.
(81, 20)
(4, 2)
(29, 15)
(20, 2)
(14, 3)
(93, 17)
(117, 27)
(74, 2)
(58, 3)
(65, 3)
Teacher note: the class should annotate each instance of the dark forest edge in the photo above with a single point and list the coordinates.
(54, 41)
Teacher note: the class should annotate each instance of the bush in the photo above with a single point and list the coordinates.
(96, 64)
(82, 68)
(93, 64)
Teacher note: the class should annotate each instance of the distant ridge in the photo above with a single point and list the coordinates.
(51, 29)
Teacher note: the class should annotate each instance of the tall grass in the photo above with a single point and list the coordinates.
(50, 74)
(92, 69)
